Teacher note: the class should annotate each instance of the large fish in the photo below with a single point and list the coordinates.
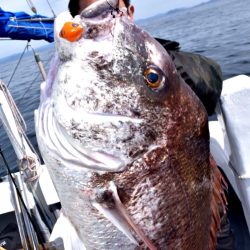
(126, 141)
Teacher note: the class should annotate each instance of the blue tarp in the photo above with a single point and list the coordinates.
(22, 26)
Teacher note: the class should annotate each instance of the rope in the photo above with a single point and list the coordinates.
(20, 123)
(29, 163)
(19, 61)
(24, 134)
(37, 19)
(29, 87)
(51, 8)
(32, 6)
(11, 102)
(45, 29)
(18, 118)
(16, 112)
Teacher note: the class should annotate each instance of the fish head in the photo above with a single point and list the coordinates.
(117, 92)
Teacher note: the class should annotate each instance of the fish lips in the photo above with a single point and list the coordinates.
(98, 18)
(97, 9)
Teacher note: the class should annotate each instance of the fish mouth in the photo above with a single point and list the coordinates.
(99, 118)
(96, 9)
(67, 151)
(101, 14)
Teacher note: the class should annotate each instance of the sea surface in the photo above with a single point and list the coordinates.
(219, 29)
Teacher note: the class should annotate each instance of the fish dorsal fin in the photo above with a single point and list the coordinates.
(218, 202)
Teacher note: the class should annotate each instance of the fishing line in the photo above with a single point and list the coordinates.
(19, 61)
(114, 9)
(51, 9)
(111, 5)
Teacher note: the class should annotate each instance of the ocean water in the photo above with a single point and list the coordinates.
(219, 29)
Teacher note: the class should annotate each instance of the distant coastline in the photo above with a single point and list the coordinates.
(172, 12)
(29, 52)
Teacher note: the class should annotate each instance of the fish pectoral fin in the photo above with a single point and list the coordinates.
(113, 216)
(118, 215)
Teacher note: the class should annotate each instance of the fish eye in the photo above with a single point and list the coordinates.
(153, 77)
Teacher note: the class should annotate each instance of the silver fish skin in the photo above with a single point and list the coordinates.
(118, 145)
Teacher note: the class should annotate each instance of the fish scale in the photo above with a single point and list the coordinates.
(129, 156)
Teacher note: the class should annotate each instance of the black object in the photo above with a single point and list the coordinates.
(9, 237)
(202, 74)
(225, 238)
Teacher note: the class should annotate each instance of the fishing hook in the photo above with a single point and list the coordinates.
(115, 10)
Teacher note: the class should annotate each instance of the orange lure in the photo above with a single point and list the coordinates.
(71, 31)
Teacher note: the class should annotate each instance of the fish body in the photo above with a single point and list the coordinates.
(125, 140)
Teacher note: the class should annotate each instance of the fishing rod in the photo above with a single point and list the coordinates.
(39, 63)
(18, 214)
(30, 240)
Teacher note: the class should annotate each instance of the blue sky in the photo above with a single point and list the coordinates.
(143, 9)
